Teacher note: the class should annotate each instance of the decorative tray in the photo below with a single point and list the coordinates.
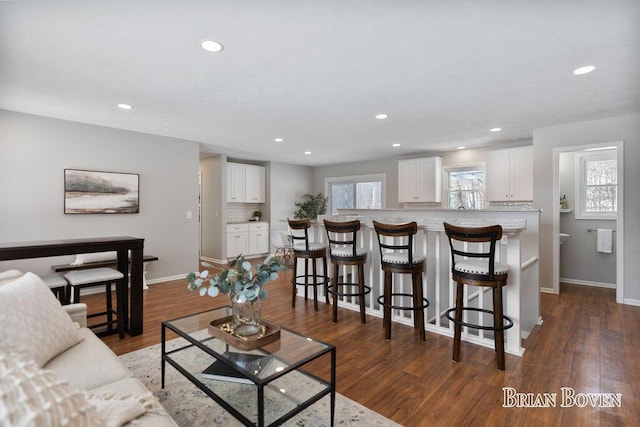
(221, 328)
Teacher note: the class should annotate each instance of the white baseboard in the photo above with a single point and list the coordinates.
(217, 261)
(166, 279)
(226, 261)
(630, 301)
(588, 283)
(547, 290)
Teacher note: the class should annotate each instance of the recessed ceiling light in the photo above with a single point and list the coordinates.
(495, 129)
(461, 148)
(211, 46)
(278, 139)
(307, 152)
(584, 70)
(395, 145)
(125, 106)
(381, 116)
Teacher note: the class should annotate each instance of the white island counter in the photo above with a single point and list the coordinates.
(519, 247)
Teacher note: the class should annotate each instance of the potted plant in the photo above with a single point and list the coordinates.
(256, 215)
(311, 205)
(244, 287)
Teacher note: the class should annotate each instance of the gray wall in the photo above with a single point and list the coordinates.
(625, 128)
(34, 151)
(579, 260)
(285, 184)
(213, 182)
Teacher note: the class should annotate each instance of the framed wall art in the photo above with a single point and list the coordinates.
(95, 192)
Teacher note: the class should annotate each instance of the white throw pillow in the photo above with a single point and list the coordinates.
(30, 396)
(95, 257)
(9, 275)
(33, 322)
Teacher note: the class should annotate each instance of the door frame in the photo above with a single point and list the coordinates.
(619, 220)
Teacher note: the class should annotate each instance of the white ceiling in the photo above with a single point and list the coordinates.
(316, 72)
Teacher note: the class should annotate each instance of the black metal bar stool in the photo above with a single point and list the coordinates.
(310, 252)
(344, 251)
(397, 256)
(103, 276)
(477, 268)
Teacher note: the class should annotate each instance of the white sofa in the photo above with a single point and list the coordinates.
(62, 348)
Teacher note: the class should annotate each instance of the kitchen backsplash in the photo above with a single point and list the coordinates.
(524, 205)
(240, 212)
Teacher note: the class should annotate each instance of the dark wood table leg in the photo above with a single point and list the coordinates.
(122, 293)
(135, 326)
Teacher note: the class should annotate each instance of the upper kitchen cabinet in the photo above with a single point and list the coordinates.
(245, 183)
(510, 174)
(255, 184)
(419, 180)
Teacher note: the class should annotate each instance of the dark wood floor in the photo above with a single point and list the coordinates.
(587, 342)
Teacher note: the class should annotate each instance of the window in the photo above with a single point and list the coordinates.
(597, 184)
(355, 192)
(466, 187)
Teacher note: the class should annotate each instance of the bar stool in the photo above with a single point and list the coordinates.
(478, 268)
(58, 286)
(103, 276)
(344, 251)
(310, 252)
(400, 258)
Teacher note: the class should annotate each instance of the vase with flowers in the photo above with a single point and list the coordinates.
(244, 287)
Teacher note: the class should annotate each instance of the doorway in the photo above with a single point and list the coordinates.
(618, 241)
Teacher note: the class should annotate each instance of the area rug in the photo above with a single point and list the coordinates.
(189, 406)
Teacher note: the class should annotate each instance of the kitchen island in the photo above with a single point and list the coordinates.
(518, 248)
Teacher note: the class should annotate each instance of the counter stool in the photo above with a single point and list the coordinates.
(477, 268)
(79, 279)
(344, 251)
(58, 286)
(310, 252)
(398, 256)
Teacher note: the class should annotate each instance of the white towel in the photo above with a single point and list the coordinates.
(605, 240)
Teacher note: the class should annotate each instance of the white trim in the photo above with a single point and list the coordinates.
(217, 261)
(167, 279)
(588, 283)
(630, 301)
(619, 221)
(548, 290)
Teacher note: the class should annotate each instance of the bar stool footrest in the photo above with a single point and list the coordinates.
(337, 293)
(425, 302)
(323, 282)
(473, 325)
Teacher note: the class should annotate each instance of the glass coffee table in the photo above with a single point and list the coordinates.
(264, 386)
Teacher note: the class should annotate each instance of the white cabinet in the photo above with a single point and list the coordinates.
(247, 239)
(258, 238)
(254, 184)
(419, 180)
(235, 182)
(510, 174)
(245, 183)
(237, 240)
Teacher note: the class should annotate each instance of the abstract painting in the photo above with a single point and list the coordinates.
(93, 192)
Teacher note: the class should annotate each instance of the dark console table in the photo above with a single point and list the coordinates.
(131, 314)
